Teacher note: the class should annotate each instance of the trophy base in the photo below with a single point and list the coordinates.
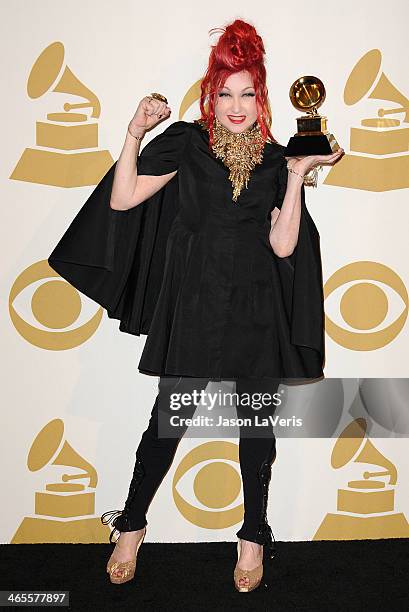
(321, 144)
(36, 530)
(370, 173)
(344, 527)
(62, 169)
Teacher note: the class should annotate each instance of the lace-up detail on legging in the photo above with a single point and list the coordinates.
(120, 518)
(264, 531)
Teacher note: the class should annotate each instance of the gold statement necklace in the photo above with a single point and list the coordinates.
(240, 152)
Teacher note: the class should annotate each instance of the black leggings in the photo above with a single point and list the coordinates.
(154, 455)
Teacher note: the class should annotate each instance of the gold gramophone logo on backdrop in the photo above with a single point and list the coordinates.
(366, 507)
(65, 511)
(191, 96)
(66, 152)
(54, 305)
(216, 484)
(379, 158)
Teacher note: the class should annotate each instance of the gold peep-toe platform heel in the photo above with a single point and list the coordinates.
(254, 575)
(126, 568)
(265, 534)
(120, 520)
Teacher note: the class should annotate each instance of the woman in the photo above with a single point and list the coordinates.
(221, 270)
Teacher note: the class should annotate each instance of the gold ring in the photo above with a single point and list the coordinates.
(159, 96)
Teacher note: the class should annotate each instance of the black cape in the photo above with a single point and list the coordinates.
(117, 258)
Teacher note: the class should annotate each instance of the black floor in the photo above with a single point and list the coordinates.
(368, 575)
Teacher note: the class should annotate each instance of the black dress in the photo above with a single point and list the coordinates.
(194, 270)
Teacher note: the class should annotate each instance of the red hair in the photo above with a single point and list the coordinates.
(238, 48)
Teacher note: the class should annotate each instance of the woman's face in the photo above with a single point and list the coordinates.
(235, 105)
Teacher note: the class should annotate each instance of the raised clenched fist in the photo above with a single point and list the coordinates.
(149, 113)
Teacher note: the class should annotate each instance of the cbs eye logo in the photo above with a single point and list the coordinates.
(54, 307)
(216, 485)
(374, 306)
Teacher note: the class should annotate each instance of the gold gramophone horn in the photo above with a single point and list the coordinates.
(364, 74)
(307, 94)
(44, 73)
(48, 445)
(348, 445)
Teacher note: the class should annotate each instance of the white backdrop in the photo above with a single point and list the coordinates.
(122, 53)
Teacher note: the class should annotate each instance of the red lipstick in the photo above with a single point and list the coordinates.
(236, 118)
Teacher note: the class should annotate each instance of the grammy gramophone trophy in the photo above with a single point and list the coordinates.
(65, 510)
(312, 138)
(365, 507)
(66, 151)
